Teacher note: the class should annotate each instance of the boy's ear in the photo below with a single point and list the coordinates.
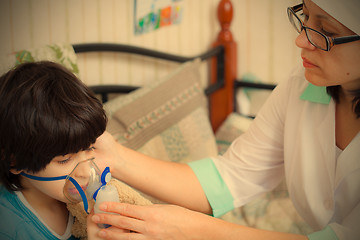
(16, 172)
(13, 170)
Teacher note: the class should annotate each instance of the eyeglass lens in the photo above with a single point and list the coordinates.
(314, 37)
(294, 21)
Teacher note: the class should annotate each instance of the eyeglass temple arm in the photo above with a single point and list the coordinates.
(345, 39)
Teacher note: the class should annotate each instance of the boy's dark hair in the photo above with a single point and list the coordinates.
(45, 111)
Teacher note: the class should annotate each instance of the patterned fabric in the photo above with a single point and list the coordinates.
(167, 119)
(233, 126)
(59, 53)
(271, 211)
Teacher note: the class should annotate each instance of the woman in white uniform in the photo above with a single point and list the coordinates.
(307, 132)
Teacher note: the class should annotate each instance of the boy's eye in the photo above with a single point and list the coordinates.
(90, 149)
(64, 161)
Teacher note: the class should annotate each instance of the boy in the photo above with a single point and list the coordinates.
(48, 122)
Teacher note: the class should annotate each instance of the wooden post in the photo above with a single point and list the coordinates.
(222, 101)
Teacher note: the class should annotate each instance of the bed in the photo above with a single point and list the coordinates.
(177, 119)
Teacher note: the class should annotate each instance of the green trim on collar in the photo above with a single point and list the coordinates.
(326, 233)
(315, 94)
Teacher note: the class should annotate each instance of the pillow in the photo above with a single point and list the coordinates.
(167, 120)
(59, 53)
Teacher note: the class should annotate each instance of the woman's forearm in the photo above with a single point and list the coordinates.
(171, 182)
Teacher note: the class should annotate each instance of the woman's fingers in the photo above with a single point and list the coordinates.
(113, 234)
(92, 228)
(134, 211)
(119, 221)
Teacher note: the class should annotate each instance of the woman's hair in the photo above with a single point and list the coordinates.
(45, 111)
(333, 91)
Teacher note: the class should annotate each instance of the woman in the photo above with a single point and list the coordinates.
(302, 133)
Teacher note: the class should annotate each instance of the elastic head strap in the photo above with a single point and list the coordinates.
(76, 184)
(46, 179)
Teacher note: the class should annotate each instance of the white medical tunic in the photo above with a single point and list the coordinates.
(293, 136)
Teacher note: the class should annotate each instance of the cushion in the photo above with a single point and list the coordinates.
(167, 119)
(59, 53)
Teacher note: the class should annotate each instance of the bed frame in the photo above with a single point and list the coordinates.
(223, 61)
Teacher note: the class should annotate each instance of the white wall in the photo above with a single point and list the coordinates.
(265, 38)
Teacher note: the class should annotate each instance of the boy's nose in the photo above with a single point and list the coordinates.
(82, 170)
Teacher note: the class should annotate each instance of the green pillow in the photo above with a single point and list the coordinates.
(59, 53)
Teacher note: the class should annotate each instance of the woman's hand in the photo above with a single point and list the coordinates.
(154, 222)
(93, 229)
(108, 151)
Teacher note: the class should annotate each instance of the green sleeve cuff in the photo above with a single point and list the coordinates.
(326, 234)
(217, 193)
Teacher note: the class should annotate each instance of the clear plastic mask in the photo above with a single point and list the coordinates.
(83, 183)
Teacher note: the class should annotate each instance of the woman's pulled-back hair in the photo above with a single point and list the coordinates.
(333, 91)
(45, 111)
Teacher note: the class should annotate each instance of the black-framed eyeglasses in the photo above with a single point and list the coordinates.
(316, 38)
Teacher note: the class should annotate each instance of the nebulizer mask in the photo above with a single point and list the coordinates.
(83, 183)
